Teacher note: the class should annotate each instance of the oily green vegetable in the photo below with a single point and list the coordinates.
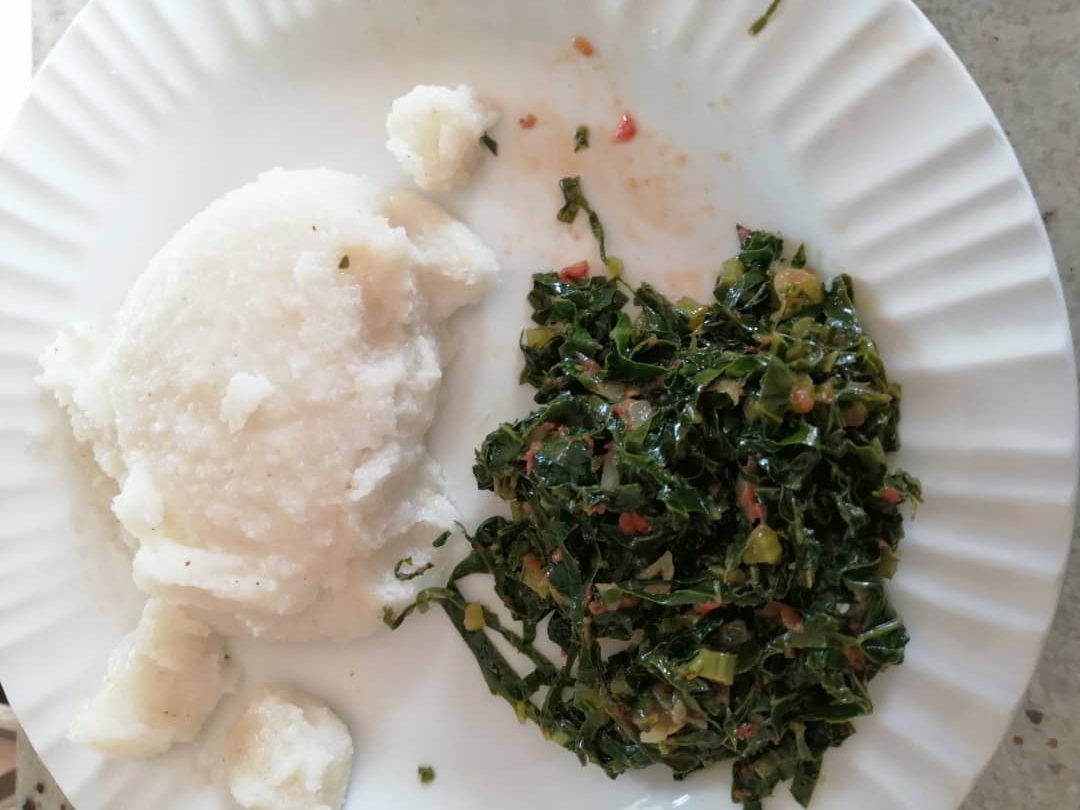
(763, 20)
(491, 144)
(404, 569)
(581, 138)
(573, 201)
(702, 519)
(798, 261)
(426, 774)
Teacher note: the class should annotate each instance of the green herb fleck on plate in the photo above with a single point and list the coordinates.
(490, 143)
(798, 261)
(573, 201)
(581, 138)
(763, 20)
(426, 774)
(402, 572)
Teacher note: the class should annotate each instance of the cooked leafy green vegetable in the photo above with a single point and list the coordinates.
(763, 20)
(573, 201)
(402, 569)
(702, 519)
(798, 261)
(581, 138)
(490, 143)
(426, 774)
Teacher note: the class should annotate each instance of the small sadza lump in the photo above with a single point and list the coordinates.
(437, 134)
(701, 508)
(288, 751)
(164, 679)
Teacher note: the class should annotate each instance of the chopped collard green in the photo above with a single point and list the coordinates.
(581, 138)
(763, 20)
(574, 200)
(404, 570)
(702, 519)
(426, 774)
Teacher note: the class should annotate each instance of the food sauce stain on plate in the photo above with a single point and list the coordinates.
(661, 202)
(647, 189)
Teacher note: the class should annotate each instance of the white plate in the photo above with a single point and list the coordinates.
(847, 123)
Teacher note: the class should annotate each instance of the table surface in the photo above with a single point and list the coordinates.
(1025, 58)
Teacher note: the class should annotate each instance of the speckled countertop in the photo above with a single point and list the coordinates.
(1024, 55)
